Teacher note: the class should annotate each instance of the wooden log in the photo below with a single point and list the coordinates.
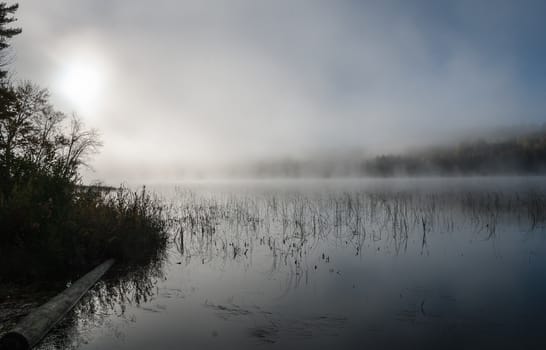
(40, 321)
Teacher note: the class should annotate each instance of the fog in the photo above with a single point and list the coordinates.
(185, 88)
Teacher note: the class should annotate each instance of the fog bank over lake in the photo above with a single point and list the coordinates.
(193, 84)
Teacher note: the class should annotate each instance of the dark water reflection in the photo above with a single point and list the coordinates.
(457, 263)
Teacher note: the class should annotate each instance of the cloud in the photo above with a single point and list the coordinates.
(197, 82)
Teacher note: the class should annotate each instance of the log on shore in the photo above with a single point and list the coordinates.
(40, 321)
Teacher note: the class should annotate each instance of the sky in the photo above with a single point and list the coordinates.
(173, 85)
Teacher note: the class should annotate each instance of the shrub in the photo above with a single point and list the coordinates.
(77, 228)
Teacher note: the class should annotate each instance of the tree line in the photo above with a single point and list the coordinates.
(51, 226)
(521, 155)
(36, 139)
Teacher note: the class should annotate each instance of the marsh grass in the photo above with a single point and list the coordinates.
(62, 238)
(292, 225)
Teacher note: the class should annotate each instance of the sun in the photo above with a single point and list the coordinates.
(81, 83)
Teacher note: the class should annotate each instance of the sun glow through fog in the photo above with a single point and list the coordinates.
(81, 83)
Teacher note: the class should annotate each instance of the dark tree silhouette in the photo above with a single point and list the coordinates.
(6, 33)
(7, 93)
(51, 225)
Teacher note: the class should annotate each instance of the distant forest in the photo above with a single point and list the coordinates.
(523, 154)
(517, 155)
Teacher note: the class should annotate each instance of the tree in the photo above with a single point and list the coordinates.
(6, 33)
(77, 145)
(7, 93)
(37, 140)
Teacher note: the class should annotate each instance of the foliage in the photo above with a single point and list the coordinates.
(6, 33)
(52, 226)
(66, 236)
(517, 155)
(37, 140)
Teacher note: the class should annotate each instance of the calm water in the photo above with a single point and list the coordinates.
(456, 263)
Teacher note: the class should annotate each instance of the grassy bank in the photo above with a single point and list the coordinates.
(63, 236)
(52, 227)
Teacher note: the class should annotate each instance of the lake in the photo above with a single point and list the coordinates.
(317, 264)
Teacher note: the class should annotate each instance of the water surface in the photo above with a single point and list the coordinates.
(422, 263)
